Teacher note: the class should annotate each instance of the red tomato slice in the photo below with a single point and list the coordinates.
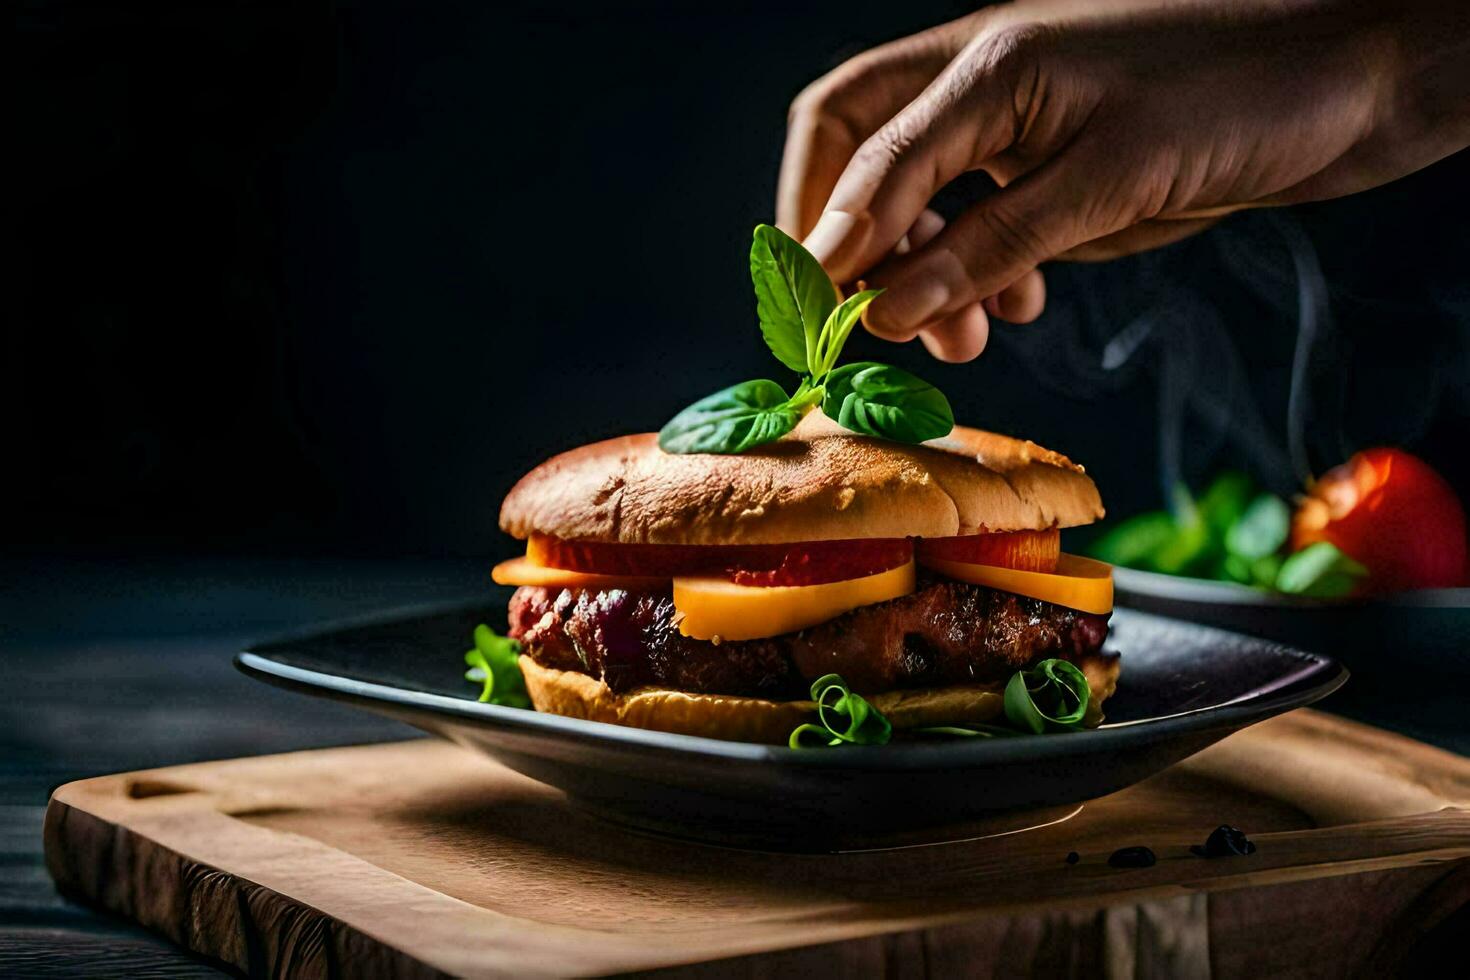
(800, 563)
(1030, 551)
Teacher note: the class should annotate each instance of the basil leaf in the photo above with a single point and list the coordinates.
(838, 327)
(1320, 570)
(731, 421)
(1053, 696)
(1134, 542)
(793, 297)
(1261, 530)
(888, 402)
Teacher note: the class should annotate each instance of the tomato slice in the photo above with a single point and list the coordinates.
(800, 563)
(1031, 551)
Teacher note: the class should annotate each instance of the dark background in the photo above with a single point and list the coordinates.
(320, 279)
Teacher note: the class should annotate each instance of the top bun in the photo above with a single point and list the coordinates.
(818, 483)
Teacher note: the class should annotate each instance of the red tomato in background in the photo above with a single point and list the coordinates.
(1392, 513)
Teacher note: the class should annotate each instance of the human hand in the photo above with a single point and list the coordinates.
(1110, 128)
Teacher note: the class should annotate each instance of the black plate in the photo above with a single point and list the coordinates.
(1183, 687)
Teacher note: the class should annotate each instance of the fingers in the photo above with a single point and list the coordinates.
(928, 224)
(963, 117)
(818, 146)
(1020, 302)
(1139, 238)
(832, 117)
(959, 337)
(988, 248)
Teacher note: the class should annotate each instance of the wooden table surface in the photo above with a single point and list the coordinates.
(111, 666)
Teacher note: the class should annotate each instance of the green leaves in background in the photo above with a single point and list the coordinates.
(806, 328)
(1134, 542)
(865, 725)
(1261, 530)
(887, 402)
(1233, 532)
(494, 664)
(731, 421)
(793, 297)
(1320, 570)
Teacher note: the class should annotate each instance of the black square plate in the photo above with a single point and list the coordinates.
(1183, 687)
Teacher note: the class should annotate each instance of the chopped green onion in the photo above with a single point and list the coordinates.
(865, 724)
(1052, 696)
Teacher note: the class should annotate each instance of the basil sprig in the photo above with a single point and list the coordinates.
(1051, 697)
(494, 664)
(806, 328)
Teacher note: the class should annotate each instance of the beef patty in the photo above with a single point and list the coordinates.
(944, 633)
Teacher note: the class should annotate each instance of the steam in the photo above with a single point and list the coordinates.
(1183, 336)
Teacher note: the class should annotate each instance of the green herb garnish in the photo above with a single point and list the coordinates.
(865, 724)
(494, 664)
(1050, 697)
(806, 328)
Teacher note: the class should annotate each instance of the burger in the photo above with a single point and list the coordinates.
(704, 594)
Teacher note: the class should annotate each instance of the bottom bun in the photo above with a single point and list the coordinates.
(738, 719)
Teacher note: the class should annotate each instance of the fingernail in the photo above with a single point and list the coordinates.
(833, 230)
(903, 247)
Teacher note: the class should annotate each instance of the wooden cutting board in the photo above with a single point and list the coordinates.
(420, 858)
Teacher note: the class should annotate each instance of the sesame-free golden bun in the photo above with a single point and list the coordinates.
(818, 483)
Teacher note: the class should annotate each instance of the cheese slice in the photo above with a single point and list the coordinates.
(523, 571)
(713, 607)
(1078, 583)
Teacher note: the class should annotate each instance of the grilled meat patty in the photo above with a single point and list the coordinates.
(944, 633)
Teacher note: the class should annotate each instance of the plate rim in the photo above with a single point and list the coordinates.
(1326, 676)
(1186, 588)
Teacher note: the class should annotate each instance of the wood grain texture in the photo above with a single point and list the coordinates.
(418, 858)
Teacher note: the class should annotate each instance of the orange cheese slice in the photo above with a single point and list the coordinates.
(716, 607)
(1078, 583)
(523, 571)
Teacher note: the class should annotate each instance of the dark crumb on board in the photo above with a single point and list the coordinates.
(1132, 857)
(1073, 857)
(1225, 841)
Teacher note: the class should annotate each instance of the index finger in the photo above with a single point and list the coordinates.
(832, 117)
